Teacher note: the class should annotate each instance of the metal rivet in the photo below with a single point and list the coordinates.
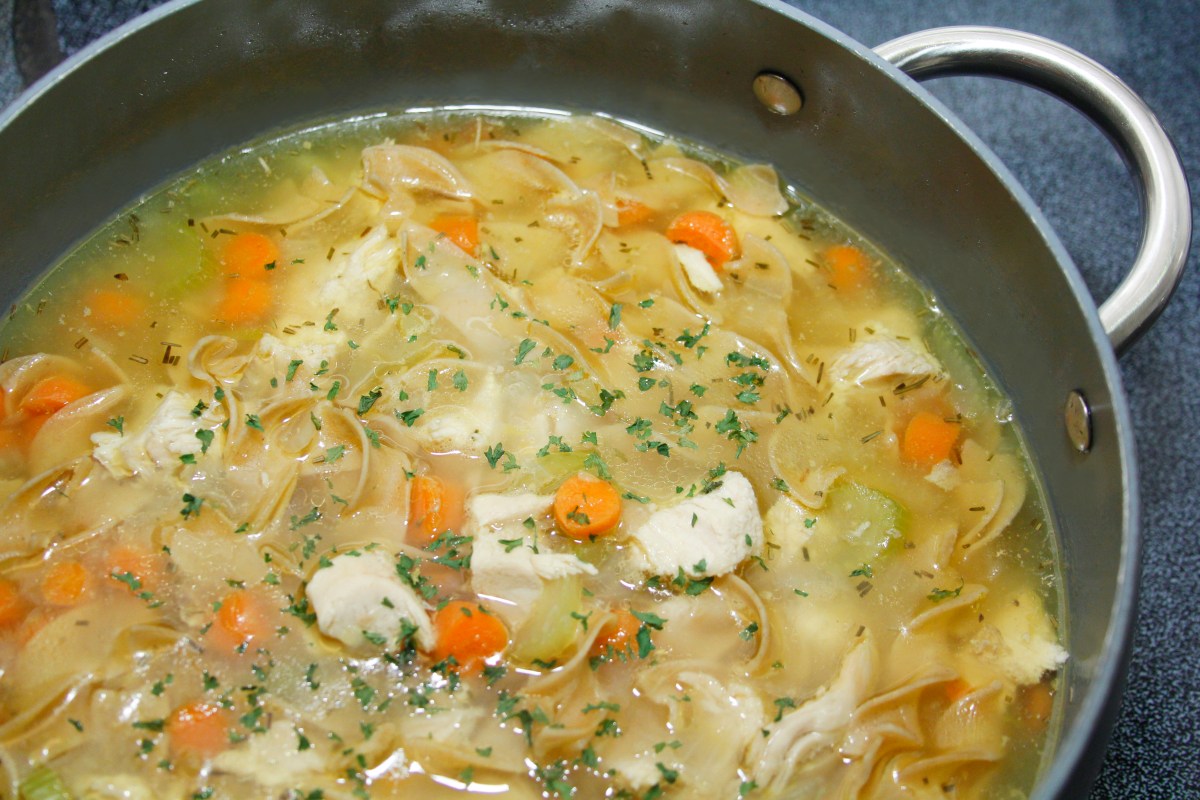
(777, 93)
(1078, 419)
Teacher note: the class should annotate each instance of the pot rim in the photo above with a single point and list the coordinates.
(1106, 683)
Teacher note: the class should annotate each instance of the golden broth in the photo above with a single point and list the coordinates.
(267, 434)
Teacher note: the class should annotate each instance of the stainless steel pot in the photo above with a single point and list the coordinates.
(196, 77)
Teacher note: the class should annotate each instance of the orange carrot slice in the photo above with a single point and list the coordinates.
(12, 605)
(928, 439)
(131, 567)
(245, 301)
(617, 636)
(461, 230)
(585, 506)
(199, 728)
(65, 583)
(112, 308)
(468, 633)
(434, 506)
(29, 428)
(708, 233)
(632, 212)
(849, 268)
(957, 689)
(240, 620)
(50, 395)
(249, 255)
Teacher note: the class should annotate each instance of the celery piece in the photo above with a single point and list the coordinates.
(868, 524)
(43, 784)
(550, 629)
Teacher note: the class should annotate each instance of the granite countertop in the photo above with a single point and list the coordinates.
(1080, 183)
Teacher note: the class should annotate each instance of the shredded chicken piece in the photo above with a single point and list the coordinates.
(703, 536)
(815, 725)
(271, 758)
(169, 434)
(882, 358)
(699, 272)
(360, 595)
(1020, 640)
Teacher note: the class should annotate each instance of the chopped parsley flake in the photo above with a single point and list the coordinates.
(191, 506)
(410, 416)
(689, 339)
(781, 703)
(523, 349)
(644, 642)
(309, 518)
(653, 620)
(614, 316)
(938, 595)
(594, 462)
(494, 453)
(734, 430)
(368, 400)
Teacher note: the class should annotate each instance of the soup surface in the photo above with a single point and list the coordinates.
(437, 454)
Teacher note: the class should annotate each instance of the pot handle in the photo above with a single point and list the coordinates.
(1117, 110)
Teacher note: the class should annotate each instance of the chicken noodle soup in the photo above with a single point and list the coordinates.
(431, 454)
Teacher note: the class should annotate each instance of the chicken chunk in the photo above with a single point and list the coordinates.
(360, 277)
(1020, 640)
(308, 346)
(882, 358)
(797, 735)
(360, 596)
(707, 535)
(789, 526)
(699, 272)
(169, 434)
(468, 429)
(497, 408)
(271, 759)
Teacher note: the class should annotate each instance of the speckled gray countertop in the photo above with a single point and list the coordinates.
(1080, 183)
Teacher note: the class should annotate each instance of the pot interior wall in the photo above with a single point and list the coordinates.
(216, 73)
